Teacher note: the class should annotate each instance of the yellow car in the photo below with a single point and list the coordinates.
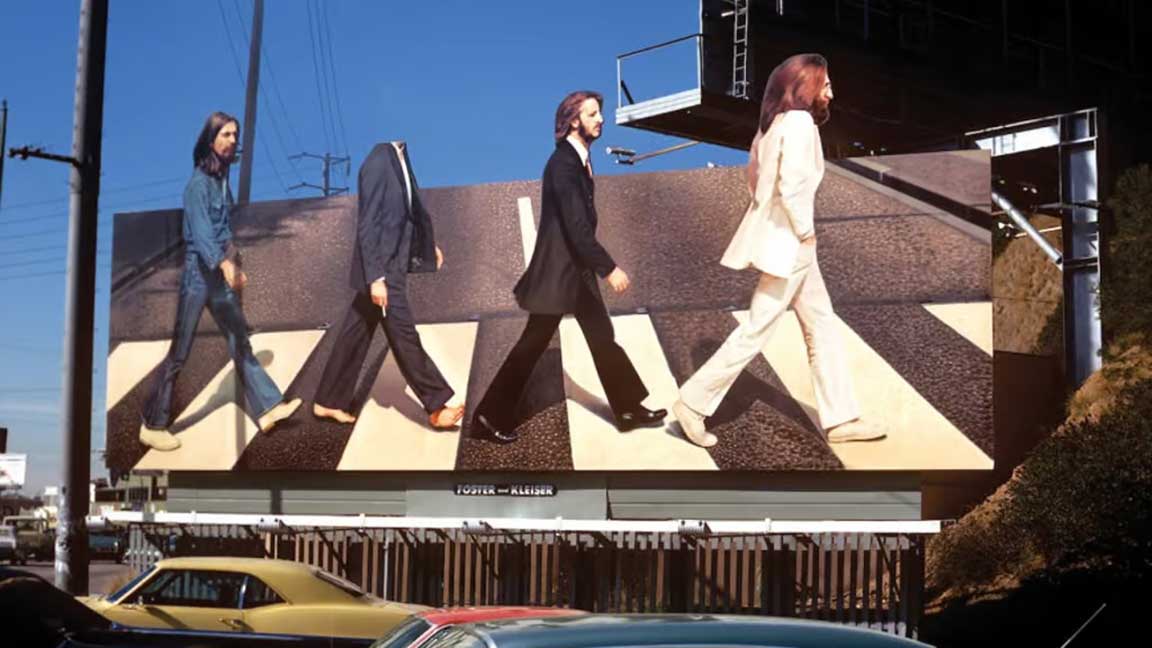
(249, 595)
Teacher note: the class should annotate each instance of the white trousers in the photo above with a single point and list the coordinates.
(804, 291)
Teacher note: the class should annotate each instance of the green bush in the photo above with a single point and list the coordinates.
(1126, 292)
(1084, 497)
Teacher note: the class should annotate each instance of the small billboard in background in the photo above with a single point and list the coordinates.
(12, 469)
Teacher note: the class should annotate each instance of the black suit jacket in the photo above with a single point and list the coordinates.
(391, 238)
(567, 252)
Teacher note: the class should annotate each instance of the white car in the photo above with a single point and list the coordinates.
(8, 549)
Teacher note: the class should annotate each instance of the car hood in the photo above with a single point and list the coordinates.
(97, 602)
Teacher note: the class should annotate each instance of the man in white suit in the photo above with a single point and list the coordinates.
(777, 237)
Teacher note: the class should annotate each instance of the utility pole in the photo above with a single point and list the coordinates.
(3, 139)
(249, 147)
(328, 160)
(80, 288)
(79, 295)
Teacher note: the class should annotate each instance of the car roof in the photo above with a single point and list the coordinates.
(588, 631)
(447, 616)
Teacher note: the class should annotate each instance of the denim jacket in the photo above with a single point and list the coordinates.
(207, 225)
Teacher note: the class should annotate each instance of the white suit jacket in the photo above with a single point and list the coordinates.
(785, 167)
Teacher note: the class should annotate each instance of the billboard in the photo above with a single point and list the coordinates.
(910, 286)
(12, 470)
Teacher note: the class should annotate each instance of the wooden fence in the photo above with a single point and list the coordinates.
(866, 579)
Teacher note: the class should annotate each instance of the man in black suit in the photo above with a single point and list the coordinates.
(561, 279)
(394, 237)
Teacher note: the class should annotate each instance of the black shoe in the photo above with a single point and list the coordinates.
(482, 428)
(640, 417)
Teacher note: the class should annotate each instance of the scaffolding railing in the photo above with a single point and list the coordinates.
(622, 90)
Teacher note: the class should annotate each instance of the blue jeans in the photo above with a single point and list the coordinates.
(202, 286)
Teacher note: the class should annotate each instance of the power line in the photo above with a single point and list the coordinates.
(27, 390)
(316, 69)
(276, 88)
(25, 264)
(332, 68)
(271, 114)
(45, 248)
(40, 261)
(240, 76)
(54, 201)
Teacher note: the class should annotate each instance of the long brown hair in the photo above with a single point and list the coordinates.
(795, 84)
(203, 155)
(569, 109)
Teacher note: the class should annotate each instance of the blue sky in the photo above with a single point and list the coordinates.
(472, 86)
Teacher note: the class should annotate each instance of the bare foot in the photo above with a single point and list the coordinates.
(446, 418)
(340, 416)
(278, 413)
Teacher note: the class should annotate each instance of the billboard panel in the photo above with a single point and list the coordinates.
(909, 285)
(12, 470)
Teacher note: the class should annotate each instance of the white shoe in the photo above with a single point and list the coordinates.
(161, 440)
(693, 425)
(854, 431)
(278, 413)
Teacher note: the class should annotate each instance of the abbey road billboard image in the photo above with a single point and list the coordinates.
(270, 349)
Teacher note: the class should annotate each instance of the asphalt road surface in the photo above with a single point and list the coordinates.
(103, 576)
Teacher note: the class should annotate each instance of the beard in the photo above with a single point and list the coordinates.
(227, 159)
(821, 111)
(586, 134)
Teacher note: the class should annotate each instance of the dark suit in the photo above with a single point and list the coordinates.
(561, 279)
(394, 237)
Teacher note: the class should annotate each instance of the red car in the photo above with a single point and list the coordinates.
(419, 628)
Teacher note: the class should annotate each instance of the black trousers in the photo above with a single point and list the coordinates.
(621, 383)
(338, 384)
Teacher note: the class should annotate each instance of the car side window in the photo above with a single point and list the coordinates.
(258, 594)
(193, 588)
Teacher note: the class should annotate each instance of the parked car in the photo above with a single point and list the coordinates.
(8, 548)
(106, 546)
(667, 631)
(117, 637)
(35, 536)
(426, 626)
(34, 614)
(249, 595)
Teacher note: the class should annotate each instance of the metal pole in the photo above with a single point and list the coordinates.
(1019, 220)
(327, 166)
(3, 141)
(76, 399)
(249, 147)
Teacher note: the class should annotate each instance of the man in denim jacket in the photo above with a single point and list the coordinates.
(211, 278)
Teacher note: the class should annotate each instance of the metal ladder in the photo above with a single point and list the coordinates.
(740, 49)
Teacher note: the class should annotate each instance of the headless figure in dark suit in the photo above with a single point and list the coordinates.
(394, 237)
(561, 279)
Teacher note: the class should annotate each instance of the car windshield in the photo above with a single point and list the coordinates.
(118, 594)
(403, 634)
(348, 587)
(457, 637)
(6, 532)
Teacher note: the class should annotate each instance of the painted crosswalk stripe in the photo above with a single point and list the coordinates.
(973, 320)
(596, 443)
(392, 432)
(213, 430)
(919, 436)
(129, 363)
